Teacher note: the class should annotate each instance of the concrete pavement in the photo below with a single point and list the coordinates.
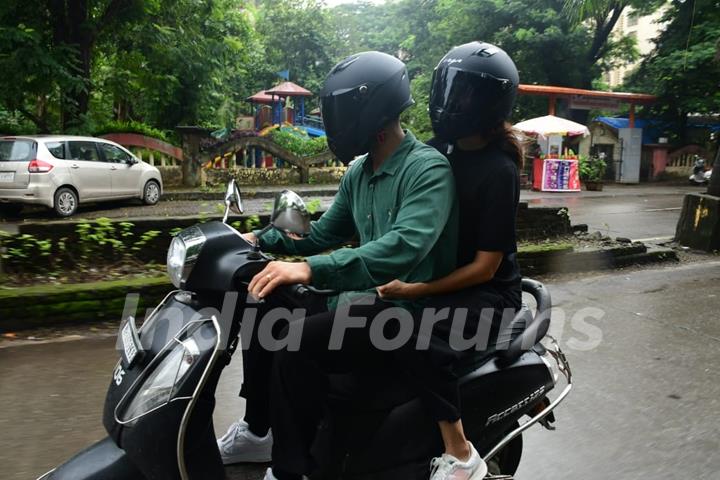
(645, 405)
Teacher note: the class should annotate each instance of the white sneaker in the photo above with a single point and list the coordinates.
(239, 444)
(448, 467)
(269, 475)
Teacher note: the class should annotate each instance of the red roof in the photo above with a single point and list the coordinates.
(262, 97)
(289, 89)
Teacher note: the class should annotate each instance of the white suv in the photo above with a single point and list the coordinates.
(62, 171)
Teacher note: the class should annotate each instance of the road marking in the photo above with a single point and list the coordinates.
(671, 209)
(654, 239)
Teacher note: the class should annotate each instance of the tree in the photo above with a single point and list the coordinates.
(684, 67)
(76, 27)
(188, 63)
(298, 36)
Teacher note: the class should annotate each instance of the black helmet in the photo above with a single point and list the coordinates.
(361, 94)
(473, 90)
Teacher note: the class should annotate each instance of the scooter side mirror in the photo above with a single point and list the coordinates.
(233, 200)
(290, 215)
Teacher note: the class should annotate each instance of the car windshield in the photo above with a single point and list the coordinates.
(16, 150)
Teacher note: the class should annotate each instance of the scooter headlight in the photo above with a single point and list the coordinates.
(160, 386)
(184, 250)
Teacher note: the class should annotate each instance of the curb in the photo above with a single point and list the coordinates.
(532, 264)
(52, 305)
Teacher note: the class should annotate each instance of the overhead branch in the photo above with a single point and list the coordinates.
(605, 23)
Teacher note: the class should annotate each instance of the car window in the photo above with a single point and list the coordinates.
(56, 149)
(113, 154)
(16, 150)
(83, 151)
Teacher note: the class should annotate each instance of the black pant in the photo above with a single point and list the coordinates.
(299, 382)
(257, 368)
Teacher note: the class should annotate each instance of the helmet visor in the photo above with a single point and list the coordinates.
(459, 91)
(340, 109)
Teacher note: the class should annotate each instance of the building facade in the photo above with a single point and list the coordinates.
(644, 28)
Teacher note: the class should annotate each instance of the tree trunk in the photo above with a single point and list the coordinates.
(79, 35)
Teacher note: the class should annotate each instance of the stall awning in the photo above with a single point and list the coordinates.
(550, 125)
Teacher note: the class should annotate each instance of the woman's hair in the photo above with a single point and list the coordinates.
(508, 140)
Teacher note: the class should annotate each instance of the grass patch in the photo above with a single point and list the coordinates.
(558, 246)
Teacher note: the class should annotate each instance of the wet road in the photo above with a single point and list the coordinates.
(646, 212)
(646, 402)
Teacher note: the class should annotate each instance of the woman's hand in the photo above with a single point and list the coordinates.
(276, 274)
(399, 289)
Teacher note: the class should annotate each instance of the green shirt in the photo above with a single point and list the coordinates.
(403, 214)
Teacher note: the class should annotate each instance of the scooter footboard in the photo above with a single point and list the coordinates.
(101, 461)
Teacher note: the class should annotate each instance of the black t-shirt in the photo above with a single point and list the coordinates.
(488, 190)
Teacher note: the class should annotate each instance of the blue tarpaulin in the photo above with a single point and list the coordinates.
(652, 129)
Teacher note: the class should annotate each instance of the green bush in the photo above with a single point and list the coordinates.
(592, 169)
(300, 145)
(132, 126)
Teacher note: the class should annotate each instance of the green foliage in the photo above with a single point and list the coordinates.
(131, 126)
(251, 223)
(299, 144)
(313, 205)
(298, 36)
(592, 169)
(684, 67)
(148, 66)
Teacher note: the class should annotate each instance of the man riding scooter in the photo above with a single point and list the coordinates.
(399, 200)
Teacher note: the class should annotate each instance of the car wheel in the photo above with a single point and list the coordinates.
(66, 202)
(10, 210)
(151, 193)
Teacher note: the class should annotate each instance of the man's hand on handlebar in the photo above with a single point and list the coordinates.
(249, 237)
(276, 274)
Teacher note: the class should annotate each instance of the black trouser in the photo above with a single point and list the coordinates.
(257, 368)
(299, 384)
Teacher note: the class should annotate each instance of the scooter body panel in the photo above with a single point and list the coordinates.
(151, 440)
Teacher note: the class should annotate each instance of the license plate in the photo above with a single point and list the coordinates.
(7, 177)
(129, 341)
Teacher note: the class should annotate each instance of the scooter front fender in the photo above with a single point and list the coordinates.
(101, 461)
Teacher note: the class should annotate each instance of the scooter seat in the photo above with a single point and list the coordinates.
(371, 393)
(472, 360)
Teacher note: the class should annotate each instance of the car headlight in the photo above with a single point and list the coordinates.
(184, 250)
(160, 386)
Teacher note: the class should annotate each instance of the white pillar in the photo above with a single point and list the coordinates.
(631, 147)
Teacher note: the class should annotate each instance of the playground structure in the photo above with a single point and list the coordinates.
(281, 107)
(272, 107)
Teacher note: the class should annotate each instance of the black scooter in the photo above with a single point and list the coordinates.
(158, 409)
